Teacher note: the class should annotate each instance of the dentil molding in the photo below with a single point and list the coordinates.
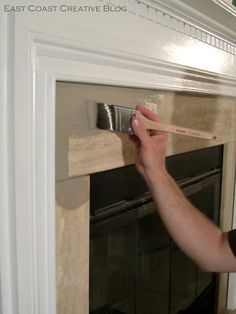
(169, 16)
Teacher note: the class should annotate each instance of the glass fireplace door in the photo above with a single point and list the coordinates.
(135, 268)
(113, 274)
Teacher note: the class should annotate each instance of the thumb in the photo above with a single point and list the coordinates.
(140, 131)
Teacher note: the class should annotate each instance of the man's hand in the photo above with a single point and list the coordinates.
(150, 147)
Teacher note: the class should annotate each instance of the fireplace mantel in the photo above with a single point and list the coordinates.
(152, 45)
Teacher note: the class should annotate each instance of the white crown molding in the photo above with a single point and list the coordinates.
(168, 14)
(226, 6)
(169, 76)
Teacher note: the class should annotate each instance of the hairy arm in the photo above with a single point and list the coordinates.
(195, 234)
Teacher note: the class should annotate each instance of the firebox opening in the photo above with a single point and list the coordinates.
(135, 267)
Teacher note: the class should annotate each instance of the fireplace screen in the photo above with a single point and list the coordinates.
(135, 267)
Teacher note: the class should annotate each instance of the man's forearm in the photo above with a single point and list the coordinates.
(195, 234)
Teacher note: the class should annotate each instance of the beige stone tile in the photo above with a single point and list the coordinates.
(72, 246)
(80, 150)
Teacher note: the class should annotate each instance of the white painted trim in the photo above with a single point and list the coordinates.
(225, 5)
(177, 16)
(25, 172)
(206, 14)
(34, 164)
(8, 265)
(163, 74)
(150, 10)
(45, 190)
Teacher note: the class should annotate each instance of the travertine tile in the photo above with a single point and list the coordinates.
(81, 150)
(72, 245)
(99, 150)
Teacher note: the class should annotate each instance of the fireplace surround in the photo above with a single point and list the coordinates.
(40, 50)
(81, 151)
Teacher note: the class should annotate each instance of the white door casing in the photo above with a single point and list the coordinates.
(104, 48)
(8, 290)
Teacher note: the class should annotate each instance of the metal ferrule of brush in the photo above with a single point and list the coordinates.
(115, 118)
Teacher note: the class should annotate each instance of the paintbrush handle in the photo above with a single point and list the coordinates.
(153, 125)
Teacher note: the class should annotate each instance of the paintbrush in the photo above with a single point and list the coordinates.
(118, 119)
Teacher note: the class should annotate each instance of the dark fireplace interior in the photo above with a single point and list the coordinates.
(135, 267)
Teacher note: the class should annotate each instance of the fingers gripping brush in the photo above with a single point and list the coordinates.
(118, 119)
